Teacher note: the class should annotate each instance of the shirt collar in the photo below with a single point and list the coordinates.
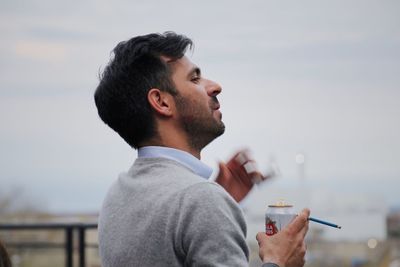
(180, 156)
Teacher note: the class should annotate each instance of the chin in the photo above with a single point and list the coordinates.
(221, 128)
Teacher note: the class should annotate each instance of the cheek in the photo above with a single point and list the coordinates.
(199, 101)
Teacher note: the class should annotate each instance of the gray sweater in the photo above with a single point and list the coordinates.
(162, 214)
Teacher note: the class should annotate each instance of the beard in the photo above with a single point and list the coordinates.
(198, 121)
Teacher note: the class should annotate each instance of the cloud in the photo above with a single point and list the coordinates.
(41, 50)
(321, 77)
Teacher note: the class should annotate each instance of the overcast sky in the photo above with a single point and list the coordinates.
(315, 77)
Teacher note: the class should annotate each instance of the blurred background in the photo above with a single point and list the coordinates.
(310, 87)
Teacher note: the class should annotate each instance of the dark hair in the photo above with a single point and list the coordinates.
(136, 67)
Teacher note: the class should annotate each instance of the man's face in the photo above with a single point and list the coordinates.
(196, 103)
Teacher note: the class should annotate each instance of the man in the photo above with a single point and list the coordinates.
(164, 211)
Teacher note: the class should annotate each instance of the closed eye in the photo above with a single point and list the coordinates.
(195, 79)
(195, 75)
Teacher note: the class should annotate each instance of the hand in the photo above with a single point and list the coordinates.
(239, 175)
(286, 248)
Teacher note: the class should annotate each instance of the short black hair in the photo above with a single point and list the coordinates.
(136, 67)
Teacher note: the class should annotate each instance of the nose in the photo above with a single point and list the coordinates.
(213, 88)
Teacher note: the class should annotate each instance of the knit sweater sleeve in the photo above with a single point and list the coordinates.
(211, 228)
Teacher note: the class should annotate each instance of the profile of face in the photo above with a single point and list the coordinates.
(196, 103)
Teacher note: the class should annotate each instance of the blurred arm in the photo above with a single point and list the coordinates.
(239, 175)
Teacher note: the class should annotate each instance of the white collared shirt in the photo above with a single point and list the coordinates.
(180, 156)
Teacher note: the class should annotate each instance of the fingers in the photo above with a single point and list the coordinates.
(252, 172)
(240, 166)
(261, 236)
(304, 248)
(300, 222)
(287, 246)
(304, 230)
(245, 168)
(223, 172)
(302, 261)
(242, 156)
(298, 258)
(305, 214)
(239, 175)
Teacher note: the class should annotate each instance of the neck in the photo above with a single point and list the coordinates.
(170, 137)
(187, 149)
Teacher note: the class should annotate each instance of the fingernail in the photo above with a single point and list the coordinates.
(241, 158)
(250, 167)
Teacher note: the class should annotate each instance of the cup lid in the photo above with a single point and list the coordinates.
(280, 204)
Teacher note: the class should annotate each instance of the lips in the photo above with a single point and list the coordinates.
(215, 109)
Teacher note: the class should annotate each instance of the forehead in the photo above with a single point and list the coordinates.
(183, 66)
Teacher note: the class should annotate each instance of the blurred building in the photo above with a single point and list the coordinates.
(393, 224)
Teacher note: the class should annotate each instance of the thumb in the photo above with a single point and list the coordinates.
(261, 236)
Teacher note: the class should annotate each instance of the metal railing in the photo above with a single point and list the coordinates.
(68, 228)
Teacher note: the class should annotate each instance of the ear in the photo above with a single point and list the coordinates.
(161, 102)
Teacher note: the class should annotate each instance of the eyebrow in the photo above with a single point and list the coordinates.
(194, 70)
